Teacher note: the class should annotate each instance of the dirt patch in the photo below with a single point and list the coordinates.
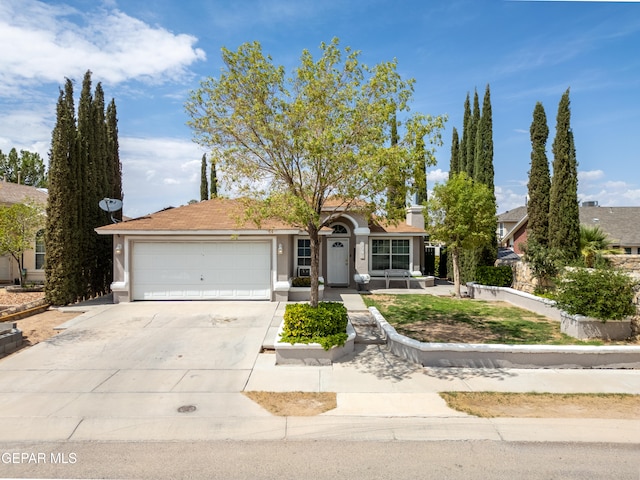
(18, 298)
(294, 404)
(545, 405)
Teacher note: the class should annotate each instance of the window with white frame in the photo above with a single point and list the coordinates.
(303, 253)
(390, 253)
(40, 256)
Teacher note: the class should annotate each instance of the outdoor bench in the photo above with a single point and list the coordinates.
(397, 274)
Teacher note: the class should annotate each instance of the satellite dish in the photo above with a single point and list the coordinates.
(110, 205)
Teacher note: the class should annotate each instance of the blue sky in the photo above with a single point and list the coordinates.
(150, 54)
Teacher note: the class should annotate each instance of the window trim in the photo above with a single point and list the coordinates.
(380, 273)
(296, 247)
(36, 252)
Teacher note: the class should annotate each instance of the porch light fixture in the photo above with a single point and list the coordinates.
(280, 249)
(118, 249)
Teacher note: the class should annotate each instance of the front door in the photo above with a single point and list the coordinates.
(338, 261)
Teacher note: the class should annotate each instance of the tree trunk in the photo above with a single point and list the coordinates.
(314, 240)
(455, 257)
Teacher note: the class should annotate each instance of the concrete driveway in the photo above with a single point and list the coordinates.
(163, 365)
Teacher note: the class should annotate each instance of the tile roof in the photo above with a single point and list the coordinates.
(214, 214)
(222, 214)
(11, 193)
(380, 226)
(622, 224)
(513, 215)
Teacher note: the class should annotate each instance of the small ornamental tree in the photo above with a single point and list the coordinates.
(296, 142)
(19, 226)
(460, 214)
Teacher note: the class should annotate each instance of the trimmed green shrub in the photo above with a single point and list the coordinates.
(605, 294)
(326, 324)
(501, 276)
(301, 282)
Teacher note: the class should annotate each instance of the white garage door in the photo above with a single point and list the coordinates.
(232, 270)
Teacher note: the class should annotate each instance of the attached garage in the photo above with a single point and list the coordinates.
(201, 270)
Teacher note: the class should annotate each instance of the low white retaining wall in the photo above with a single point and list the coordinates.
(542, 306)
(576, 326)
(505, 356)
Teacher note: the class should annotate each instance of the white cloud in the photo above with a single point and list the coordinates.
(46, 43)
(508, 199)
(158, 173)
(437, 176)
(590, 175)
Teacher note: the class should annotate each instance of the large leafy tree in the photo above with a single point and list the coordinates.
(539, 180)
(564, 214)
(25, 167)
(461, 213)
(323, 133)
(19, 225)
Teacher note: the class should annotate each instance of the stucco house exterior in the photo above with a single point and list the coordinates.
(12, 193)
(619, 223)
(209, 251)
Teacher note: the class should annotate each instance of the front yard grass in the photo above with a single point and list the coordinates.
(429, 318)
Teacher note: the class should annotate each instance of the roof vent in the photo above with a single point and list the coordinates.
(592, 203)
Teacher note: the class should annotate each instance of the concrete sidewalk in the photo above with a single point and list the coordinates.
(175, 372)
(382, 393)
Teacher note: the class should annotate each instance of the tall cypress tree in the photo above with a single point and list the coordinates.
(101, 172)
(62, 242)
(483, 169)
(466, 121)
(84, 168)
(87, 187)
(564, 219)
(113, 153)
(539, 180)
(397, 191)
(214, 179)
(454, 163)
(204, 182)
(471, 136)
(420, 174)
(484, 173)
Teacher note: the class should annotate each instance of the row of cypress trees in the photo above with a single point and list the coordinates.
(553, 210)
(473, 154)
(84, 168)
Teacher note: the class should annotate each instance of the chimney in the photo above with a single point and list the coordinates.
(415, 218)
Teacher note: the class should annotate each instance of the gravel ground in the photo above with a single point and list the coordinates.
(10, 299)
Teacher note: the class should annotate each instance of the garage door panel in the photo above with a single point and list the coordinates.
(201, 270)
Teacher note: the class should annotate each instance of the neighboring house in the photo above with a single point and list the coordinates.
(11, 193)
(206, 251)
(621, 224)
(508, 220)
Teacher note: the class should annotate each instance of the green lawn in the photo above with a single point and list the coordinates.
(428, 318)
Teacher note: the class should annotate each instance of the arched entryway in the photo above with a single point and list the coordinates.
(338, 249)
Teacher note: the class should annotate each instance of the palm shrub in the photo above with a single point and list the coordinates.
(605, 294)
(594, 243)
(325, 324)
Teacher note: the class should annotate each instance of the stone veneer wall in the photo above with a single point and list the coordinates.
(524, 281)
(628, 263)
